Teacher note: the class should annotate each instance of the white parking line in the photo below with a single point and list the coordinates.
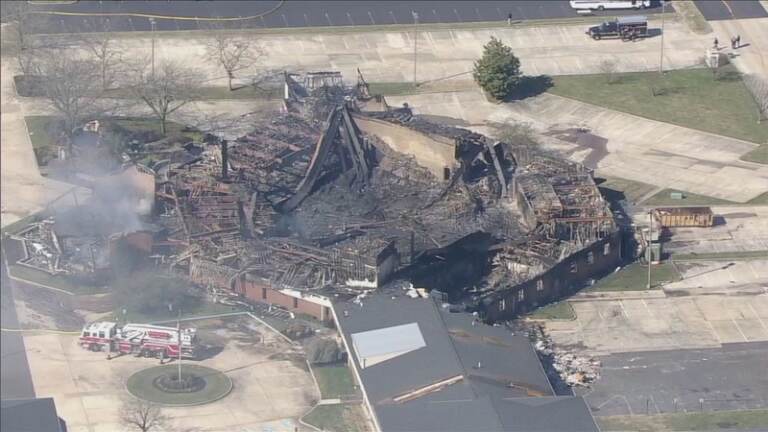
(758, 317)
(739, 329)
(658, 411)
(717, 336)
(624, 311)
(647, 309)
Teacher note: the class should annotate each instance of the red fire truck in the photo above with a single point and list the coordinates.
(139, 339)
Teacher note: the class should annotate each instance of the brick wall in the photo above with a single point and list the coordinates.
(262, 292)
(560, 281)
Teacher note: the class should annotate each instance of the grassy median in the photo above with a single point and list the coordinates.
(697, 421)
(555, 311)
(634, 277)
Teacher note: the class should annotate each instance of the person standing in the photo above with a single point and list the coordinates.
(738, 41)
(715, 44)
(509, 19)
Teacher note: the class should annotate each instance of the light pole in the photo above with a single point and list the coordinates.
(650, 242)
(178, 329)
(661, 56)
(415, 41)
(152, 23)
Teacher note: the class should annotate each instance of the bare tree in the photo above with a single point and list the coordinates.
(231, 52)
(609, 69)
(166, 90)
(142, 415)
(100, 45)
(24, 23)
(758, 86)
(71, 87)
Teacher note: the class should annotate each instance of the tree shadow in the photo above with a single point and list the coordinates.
(530, 86)
(208, 352)
(728, 76)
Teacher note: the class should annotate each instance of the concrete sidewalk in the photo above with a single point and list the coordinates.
(24, 190)
(752, 58)
(388, 55)
(638, 149)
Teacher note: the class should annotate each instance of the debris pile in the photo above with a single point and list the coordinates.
(571, 369)
(340, 193)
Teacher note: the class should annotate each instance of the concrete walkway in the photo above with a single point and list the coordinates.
(637, 149)
(24, 190)
(752, 58)
(388, 55)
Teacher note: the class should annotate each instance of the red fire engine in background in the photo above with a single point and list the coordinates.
(139, 339)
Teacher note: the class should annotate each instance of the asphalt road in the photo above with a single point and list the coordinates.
(732, 377)
(715, 10)
(15, 378)
(305, 13)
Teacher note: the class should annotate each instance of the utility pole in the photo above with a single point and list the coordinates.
(415, 43)
(650, 242)
(661, 56)
(152, 23)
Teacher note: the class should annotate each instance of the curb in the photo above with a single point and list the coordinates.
(287, 339)
(216, 399)
(317, 388)
(18, 279)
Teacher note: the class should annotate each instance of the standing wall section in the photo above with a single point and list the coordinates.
(560, 281)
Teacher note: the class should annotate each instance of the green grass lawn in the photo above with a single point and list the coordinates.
(741, 255)
(201, 308)
(761, 199)
(142, 385)
(60, 282)
(561, 310)
(334, 381)
(758, 155)
(663, 198)
(338, 418)
(695, 421)
(43, 138)
(691, 98)
(43, 135)
(216, 93)
(141, 125)
(392, 88)
(634, 277)
(17, 226)
(632, 190)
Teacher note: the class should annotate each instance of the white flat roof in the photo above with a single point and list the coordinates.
(375, 346)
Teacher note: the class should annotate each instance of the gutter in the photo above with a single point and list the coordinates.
(350, 353)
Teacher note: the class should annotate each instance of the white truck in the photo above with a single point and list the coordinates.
(610, 4)
(140, 339)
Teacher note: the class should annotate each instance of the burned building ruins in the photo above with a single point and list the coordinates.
(341, 193)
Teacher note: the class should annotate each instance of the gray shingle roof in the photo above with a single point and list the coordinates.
(503, 386)
(29, 415)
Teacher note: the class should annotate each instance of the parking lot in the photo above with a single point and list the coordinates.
(272, 386)
(656, 322)
(738, 229)
(730, 377)
(277, 14)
